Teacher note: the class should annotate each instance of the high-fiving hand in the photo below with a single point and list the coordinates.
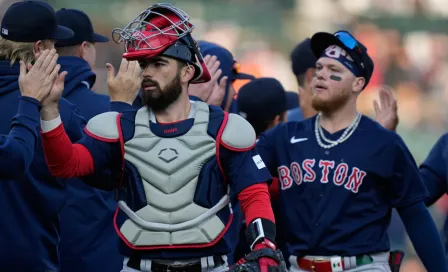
(386, 114)
(125, 85)
(212, 91)
(42, 80)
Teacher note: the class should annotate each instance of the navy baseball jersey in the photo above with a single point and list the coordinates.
(434, 173)
(338, 201)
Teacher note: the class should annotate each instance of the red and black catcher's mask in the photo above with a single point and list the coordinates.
(162, 30)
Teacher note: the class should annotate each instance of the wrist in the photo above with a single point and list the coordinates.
(49, 112)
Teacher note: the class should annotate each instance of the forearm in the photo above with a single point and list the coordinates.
(424, 236)
(64, 159)
(256, 204)
(17, 148)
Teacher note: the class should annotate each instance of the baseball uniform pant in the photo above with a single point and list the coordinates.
(380, 263)
(207, 264)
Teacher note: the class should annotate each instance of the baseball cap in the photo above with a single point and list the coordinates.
(292, 100)
(80, 23)
(322, 40)
(31, 21)
(261, 99)
(302, 57)
(229, 66)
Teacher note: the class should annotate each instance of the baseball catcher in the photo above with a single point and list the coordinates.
(182, 165)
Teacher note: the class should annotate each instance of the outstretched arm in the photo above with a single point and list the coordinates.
(429, 247)
(408, 195)
(17, 148)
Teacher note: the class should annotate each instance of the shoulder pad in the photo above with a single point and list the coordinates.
(238, 133)
(104, 127)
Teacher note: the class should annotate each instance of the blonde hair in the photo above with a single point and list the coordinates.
(15, 51)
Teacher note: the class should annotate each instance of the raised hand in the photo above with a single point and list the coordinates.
(386, 114)
(125, 85)
(205, 90)
(218, 93)
(37, 80)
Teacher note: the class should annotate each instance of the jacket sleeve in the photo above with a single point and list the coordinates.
(17, 148)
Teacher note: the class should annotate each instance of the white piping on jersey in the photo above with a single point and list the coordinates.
(175, 227)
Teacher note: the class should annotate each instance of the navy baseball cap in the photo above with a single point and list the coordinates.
(292, 100)
(302, 57)
(80, 23)
(31, 21)
(228, 64)
(261, 100)
(364, 64)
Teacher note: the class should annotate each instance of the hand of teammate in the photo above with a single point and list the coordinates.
(218, 92)
(205, 90)
(37, 80)
(386, 111)
(125, 85)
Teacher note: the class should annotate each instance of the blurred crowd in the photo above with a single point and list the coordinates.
(407, 40)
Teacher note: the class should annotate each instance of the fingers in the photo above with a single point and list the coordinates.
(52, 64)
(29, 66)
(137, 70)
(47, 60)
(216, 75)
(54, 73)
(41, 58)
(61, 78)
(123, 66)
(213, 65)
(376, 107)
(223, 83)
(206, 59)
(110, 72)
(22, 69)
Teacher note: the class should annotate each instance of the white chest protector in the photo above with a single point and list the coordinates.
(169, 169)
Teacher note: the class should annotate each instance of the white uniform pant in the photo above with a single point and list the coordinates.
(207, 264)
(380, 263)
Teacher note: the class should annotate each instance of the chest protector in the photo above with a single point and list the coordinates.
(169, 169)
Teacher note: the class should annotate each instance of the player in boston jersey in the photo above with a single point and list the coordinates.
(341, 173)
(185, 163)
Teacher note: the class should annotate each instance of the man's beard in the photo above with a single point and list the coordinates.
(157, 99)
(332, 104)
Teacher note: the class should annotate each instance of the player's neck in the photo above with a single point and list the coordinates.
(178, 111)
(339, 119)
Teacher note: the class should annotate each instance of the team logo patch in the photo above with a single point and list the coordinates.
(336, 52)
(258, 162)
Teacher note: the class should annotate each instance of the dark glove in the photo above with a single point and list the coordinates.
(261, 259)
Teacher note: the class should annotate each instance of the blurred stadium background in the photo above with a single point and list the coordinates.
(408, 40)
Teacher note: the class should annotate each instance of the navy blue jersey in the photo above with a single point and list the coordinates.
(338, 201)
(29, 225)
(239, 166)
(434, 173)
(17, 147)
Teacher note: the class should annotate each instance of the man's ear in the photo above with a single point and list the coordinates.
(187, 73)
(82, 49)
(358, 84)
(38, 47)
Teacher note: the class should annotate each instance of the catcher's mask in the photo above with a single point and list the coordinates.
(162, 30)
